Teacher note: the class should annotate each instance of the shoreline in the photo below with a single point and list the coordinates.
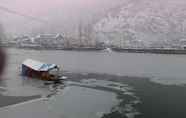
(151, 51)
(126, 50)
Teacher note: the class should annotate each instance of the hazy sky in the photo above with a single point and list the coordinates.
(62, 13)
(44, 6)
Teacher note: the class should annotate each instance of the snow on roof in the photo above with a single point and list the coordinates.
(59, 35)
(47, 36)
(38, 66)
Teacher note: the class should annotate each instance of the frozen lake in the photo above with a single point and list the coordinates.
(96, 97)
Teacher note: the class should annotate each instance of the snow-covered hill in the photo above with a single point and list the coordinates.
(153, 22)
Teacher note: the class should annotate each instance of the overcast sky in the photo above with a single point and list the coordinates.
(64, 13)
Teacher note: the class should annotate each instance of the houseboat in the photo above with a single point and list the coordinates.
(37, 69)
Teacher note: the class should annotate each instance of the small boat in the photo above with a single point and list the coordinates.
(37, 69)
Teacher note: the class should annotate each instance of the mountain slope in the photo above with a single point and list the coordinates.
(148, 21)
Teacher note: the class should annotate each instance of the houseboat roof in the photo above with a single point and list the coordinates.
(38, 66)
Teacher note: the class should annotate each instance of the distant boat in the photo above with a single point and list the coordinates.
(36, 69)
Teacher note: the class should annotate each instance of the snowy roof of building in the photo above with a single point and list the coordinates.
(49, 35)
(38, 66)
(59, 35)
